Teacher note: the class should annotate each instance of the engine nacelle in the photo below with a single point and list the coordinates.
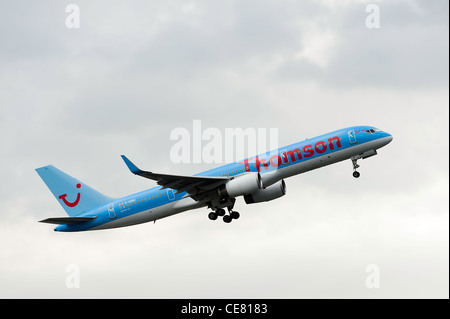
(269, 193)
(242, 185)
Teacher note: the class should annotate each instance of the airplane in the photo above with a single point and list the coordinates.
(257, 179)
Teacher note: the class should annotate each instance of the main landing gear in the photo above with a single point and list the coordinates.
(227, 218)
(356, 174)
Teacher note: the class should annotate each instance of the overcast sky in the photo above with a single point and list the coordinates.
(136, 70)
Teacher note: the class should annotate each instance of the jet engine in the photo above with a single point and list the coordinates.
(269, 193)
(241, 185)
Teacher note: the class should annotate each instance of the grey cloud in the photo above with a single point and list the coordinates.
(409, 50)
(134, 71)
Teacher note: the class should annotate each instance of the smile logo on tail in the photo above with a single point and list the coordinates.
(75, 203)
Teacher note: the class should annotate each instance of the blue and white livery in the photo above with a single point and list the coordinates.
(257, 179)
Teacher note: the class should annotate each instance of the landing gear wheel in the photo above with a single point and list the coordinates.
(227, 219)
(355, 166)
(212, 216)
(234, 215)
(220, 212)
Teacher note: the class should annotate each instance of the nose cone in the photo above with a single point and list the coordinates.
(389, 138)
(385, 139)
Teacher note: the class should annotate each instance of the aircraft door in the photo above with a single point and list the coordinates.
(352, 137)
(170, 194)
(111, 212)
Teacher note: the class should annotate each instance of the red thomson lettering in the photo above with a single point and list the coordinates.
(284, 158)
(278, 157)
(258, 168)
(289, 156)
(262, 162)
(320, 149)
(245, 162)
(292, 155)
(257, 161)
(308, 150)
(337, 140)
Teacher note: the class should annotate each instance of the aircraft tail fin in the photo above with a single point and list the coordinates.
(74, 196)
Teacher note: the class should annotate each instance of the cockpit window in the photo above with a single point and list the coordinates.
(372, 130)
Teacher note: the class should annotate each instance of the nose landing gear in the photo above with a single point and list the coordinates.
(356, 174)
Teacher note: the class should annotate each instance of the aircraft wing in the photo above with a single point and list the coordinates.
(193, 185)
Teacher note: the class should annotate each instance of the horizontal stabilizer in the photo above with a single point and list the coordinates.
(68, 220)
